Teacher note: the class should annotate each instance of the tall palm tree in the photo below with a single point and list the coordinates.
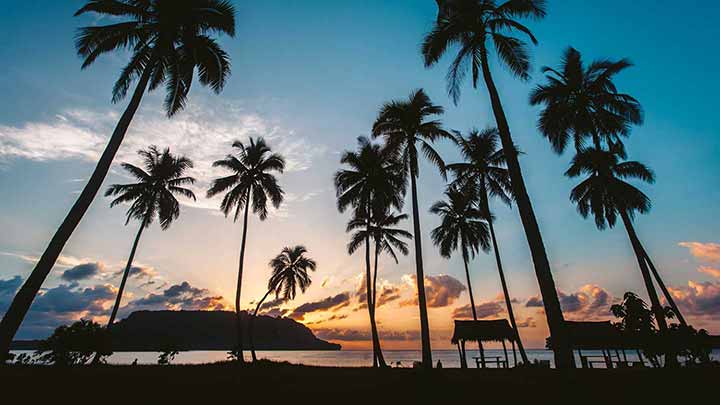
(373, 180)
(385, 236)
(252, 183)
(405, 125)
(289, 271)
(463, 228)
(153, 196)
(582, 102)
(474, 26)
(606, 195)
(484, 170)
(168, 40)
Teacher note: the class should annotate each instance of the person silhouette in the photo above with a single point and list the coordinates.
(134, 363)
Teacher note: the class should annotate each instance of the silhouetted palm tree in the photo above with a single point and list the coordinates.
(289, 272)
(153, 196)
(462, 228)
(252, 183)
(484, 170)
(404, 124)
(474, 26)
(606, 195)
(374, 180)
(386, 239)
(168, 40)
(582, 102)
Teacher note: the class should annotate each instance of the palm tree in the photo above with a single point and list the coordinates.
(484, 170)
(404, 124)
(289, 271)
(471, 24)
(582, 102)
(168, 40)
(252, 183)
(606, 195)
(387, 238)
(153, 196)
(374, 180)
(463, 227)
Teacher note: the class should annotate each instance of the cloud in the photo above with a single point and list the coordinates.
(440, 291)
(330, 303)
(483, 310)
(8, 288)
(388, 293)
(362, 335)
(204, 131)
(62, 261)
(138, 272)
(698, 299)
(589, 302)
(710, 271)
(181, 296)
(82, 271)
(528, 322)
(708, 252)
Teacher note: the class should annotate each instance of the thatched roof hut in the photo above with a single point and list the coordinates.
(493, 330)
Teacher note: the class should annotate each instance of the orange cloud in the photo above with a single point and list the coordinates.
(710, 271)
(703, 251)
(440, 291)
(699, 299)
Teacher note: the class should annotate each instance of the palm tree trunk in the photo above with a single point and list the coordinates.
(420, 277)
(664, 289)
(24, 298)
(472, 298)
(556, 321)
(378, 359)
(647, 278)
(506, 293)
(126, 273)
(238, 320)
(641, 255)
(118, 298)
(375, 274)
(251, 325)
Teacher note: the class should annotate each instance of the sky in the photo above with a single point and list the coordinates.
(310, 78)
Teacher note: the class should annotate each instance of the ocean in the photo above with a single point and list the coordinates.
(351, 358)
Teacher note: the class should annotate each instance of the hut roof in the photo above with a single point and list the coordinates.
(484, 330)
(598, 336)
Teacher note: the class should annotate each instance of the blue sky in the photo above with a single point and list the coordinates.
(310, 76)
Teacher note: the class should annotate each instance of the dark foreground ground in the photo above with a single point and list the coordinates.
(283, 383)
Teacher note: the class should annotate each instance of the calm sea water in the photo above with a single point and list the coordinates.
(346, 358)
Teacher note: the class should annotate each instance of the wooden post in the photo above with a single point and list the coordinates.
(460, 354)
(514, 354)
(482, 354)
(507, 361)
(464, 356)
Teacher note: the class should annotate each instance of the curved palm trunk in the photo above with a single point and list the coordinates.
(375, 274)
(469, 284)
(378, 359)
(556, 321)
(663, 288)
(251, 325)
(506, 293)
(126, 273)
(238, 320)
(420, 276)
(118, 298)
(670, 359)
(24, 297)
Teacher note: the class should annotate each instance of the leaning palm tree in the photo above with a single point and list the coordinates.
(168, 40)
(582, 102)
(289, 271)
(373, 180)
(462, 227)
(385, 236)
(606, 195)
(474, 26)
(251, 184)
(484, 170)
(153, 196)
(406, 125)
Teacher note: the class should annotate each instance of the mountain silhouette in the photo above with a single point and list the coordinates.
(204, 330)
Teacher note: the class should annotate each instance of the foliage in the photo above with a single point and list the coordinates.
(74, 345)
(462, 225)
(154, 195)
(290, 271)
(638, 322)
(168, 354)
